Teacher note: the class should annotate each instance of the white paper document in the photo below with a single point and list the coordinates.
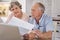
(24, 27)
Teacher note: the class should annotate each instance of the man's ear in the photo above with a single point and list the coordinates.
(42, 11)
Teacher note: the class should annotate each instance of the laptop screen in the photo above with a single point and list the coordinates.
(8, 32)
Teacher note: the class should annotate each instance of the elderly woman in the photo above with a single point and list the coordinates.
(16, 9)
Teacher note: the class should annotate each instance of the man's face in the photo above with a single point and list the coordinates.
(36, 12)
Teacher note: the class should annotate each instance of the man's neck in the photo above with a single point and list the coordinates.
(37, 19)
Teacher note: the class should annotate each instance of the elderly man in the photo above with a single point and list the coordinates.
(42, 22)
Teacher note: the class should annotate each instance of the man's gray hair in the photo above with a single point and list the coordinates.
(41, 6)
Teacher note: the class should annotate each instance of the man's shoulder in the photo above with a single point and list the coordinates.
(47, 16)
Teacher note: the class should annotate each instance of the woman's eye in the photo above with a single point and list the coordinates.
(12, 9)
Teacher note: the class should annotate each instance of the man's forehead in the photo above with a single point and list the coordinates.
(35, 6)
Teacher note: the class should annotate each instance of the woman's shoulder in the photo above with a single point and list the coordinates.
(25, 17)
(24, 13)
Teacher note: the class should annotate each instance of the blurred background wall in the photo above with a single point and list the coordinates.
(52, 6)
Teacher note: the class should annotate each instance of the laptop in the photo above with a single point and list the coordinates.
(9, 32)
(1, 21)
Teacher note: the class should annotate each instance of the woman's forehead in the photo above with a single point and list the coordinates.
(14, 6)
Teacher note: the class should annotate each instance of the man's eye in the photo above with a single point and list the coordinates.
(16, 8)
(33, 10)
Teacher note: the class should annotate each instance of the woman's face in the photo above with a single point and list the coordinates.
(16, 11)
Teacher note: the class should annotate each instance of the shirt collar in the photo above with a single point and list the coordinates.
(40, 19)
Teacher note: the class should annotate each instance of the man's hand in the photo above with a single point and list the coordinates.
(38, 33)
(35, 33)
(31, 35)
(43, 35)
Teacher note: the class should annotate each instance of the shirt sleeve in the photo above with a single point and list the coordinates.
(49, 24)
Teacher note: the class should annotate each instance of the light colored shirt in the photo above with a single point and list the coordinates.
(45, 23)
(25, 17)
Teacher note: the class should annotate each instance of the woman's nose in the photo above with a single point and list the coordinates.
(15, 11)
